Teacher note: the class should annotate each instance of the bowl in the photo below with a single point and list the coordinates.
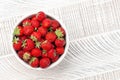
(60, 58)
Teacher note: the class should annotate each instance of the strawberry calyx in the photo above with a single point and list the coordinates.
(37, 44)
(15, 40)
(24, 43)
(26, 56)
(27, 24)
(59, 33)
(33, 38)
(44, 51)
(50, 29)
(32, 60)
(16, 31)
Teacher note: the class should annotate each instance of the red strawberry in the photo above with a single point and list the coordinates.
(35, 36)
(60, 50)
(34, 62)
(35, 23)
(40, 16)
(55, 24)
(26, 56)
(36, 52)
(42, 30)
(17, 44)
(50, 36)
(60, 32)
(26, 22)
(28, 30)
(44, 53)
(52, 54)
(44, 62)
(60, 42)
(28, 45)
(55, 58)
(18, 31)
(34, 18)
(46, 23)
(46, 45)
(20, 53)
(22, 38)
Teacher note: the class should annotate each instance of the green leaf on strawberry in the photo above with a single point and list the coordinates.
(37, 43)
(33, 38)
(15, 39)
(16, 31)
(59, 33)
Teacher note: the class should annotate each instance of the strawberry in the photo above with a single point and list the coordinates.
(52, 54)
(26, 56)
(60, 32)
(35, 23)
(34, 18)
(26, 22)
(40, 16)
(42, 30)
(60, 42)
(22, 38)
(50, 36)
(20, 53)
(44, 53)
(36, 52)
(46, 45)
(55, 24)
(46, 23)
(34, 62)
(17, 43)
(28, 30)
(55, 58)
(44, 62)
(28, 45)
(35, 36)
(18, 31)
(60, 50)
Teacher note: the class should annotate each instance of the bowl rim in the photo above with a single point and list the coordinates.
(62, 56)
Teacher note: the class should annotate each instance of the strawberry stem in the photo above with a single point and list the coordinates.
(59, 33)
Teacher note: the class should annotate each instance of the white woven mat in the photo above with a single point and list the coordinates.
(94, 51)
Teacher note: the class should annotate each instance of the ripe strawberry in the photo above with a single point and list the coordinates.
(20, 53)
(34, 62)
(55, 58)
(26, 56)
(36, 52)
(60, 32)
(46, 23)
(52, 54)
(26, 22)
(17, 43)
(55, 24)
(34, 18)
(28, 45)
(42, 30)
(18, 31)
(40, 16)
(60, 50)
(35, 36)
(22, 38)
(35, 23)
(46, 45)
(60, 42)
(28, 30)
(44, 53)
(44, 62)
(50, 36)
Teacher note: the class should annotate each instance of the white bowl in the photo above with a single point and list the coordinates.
(53, 64)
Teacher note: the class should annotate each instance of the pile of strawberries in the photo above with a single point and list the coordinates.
(39, 40)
